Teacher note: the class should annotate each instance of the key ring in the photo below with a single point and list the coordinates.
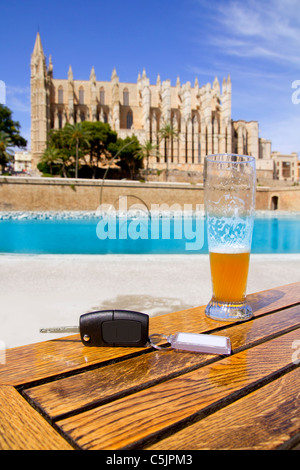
(159, 337)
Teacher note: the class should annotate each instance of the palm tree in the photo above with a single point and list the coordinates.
(51, 156)
(146, 151)
(5, 150)
(167, 132)
(75, 133)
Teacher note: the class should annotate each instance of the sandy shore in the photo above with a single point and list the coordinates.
(53, 290)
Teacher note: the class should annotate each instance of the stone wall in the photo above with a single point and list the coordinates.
(55, 194)
(285, 198)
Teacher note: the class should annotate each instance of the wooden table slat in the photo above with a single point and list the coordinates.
(40, 361)
(137, 398)
(107, 383)
(266, 419)
(22, 428)
(128, 422)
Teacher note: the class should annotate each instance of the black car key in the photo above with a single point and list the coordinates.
(127, 328)
(109, 328)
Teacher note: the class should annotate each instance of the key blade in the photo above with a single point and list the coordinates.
(60, 329)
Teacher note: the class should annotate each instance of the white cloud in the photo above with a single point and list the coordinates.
(263, 29)
(18, 99)
(2, 92)
(257, 42)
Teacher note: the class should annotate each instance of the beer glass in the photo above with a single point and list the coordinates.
(229, 196)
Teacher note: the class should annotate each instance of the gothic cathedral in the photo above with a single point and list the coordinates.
(201, 116)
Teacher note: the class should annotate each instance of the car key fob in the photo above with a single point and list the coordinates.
(109, 328)
(128, 328)
(114, 328)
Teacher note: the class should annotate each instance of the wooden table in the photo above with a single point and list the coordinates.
(59, 394)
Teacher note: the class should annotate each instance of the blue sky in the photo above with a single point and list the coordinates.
(257, 42)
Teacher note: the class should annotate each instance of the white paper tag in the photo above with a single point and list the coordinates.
(210, 344)
(204, 343)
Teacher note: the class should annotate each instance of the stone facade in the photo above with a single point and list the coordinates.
(286, 166)
(22, 161)
(201, 115)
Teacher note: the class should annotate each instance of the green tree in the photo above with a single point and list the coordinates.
(128, 150)
(49, 158)
(101, 136)
(58, 140)
(5, 149)
(53, 157)
(11, 127)
(75, 133)
(147, 150)
(166, 133)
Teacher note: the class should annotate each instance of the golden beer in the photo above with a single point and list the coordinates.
(229, 273)
(229, 197)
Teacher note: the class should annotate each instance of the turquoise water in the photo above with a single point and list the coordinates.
(133, 236)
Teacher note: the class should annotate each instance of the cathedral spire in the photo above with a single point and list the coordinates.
(114, 74)
(38, 60)
(216, 85)
(38, 48)
(50, 67)
(70, 74)
(229, 84)
(93, 75)
(40, 91)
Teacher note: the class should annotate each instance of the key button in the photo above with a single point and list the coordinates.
(121, 332)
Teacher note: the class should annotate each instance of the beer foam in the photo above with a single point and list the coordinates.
(232, 232)
(229, 250)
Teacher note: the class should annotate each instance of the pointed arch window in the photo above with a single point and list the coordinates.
(125, 97)
(60, 95)
(60, 120)
(81, 95)
(129, 120)
(102, 96)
